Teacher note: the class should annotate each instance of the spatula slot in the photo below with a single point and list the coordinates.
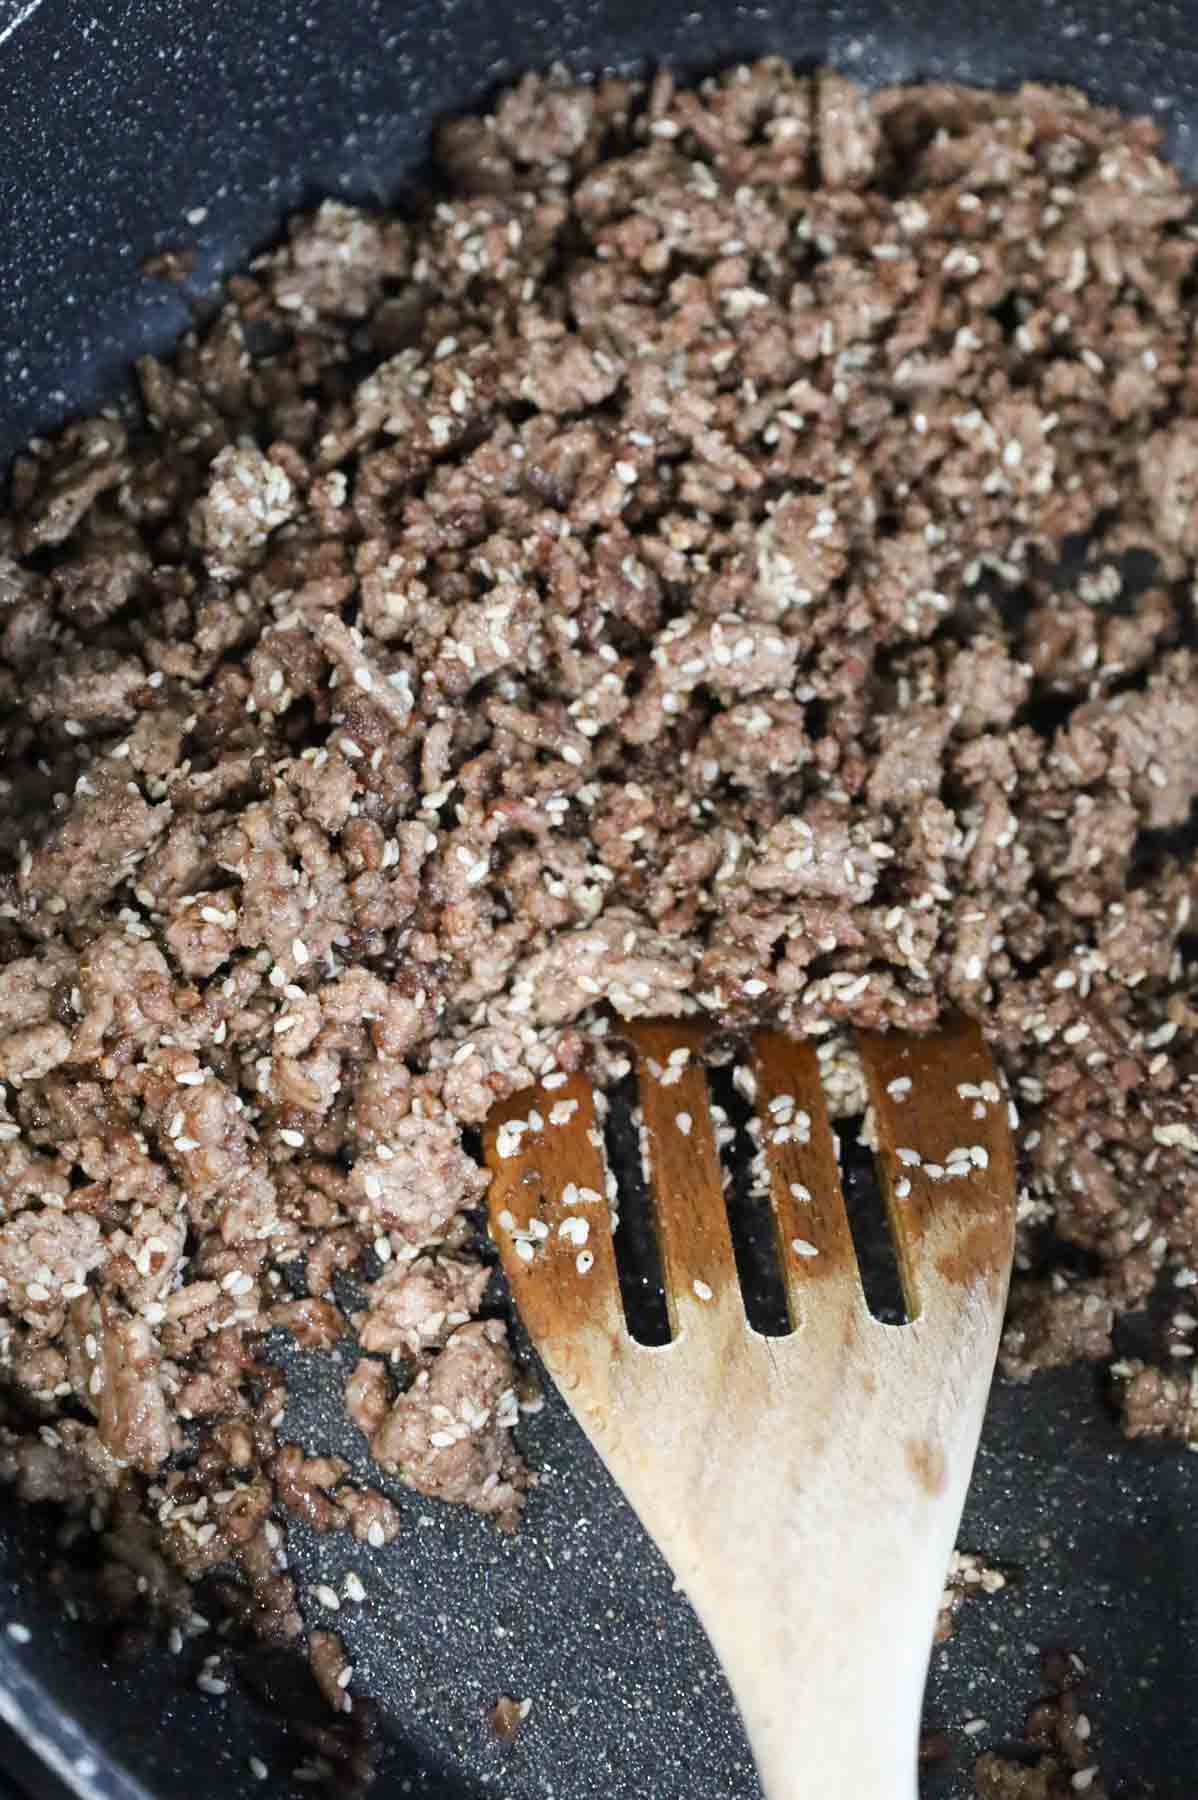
(638, 1252)
(877, 1258)
(751, 1218)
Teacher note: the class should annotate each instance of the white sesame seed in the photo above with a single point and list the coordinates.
(800, 1192)
(684, 1123)
(584, 1262)
(20, 1634)
(910, 1159)
(899, 1088)
(258, 1768)
(803, 1247)
(701, 1290)
(376, 1537)
(327, 1597)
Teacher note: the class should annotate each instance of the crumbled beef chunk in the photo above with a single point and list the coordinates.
(450, 1434)
(632, 582)
(248, 497)
(414, 1306)
(1049, 1325)
(1060, 1739)
(135, 1418)
(1159, 1403)
(331, 1667)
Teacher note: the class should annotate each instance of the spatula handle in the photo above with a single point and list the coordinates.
(822, 1602)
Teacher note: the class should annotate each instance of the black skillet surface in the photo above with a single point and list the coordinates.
(128, 126)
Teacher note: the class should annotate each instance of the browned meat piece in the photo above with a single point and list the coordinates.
(418, 1181)
(414, 1306)
(95, 849)
(135, 1418)
(368, 1395)
(449, 1435)
(331, 1667)
(1157, 1403)
(1047, 1327)
(46, 1257)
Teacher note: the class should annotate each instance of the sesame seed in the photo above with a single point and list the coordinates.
(803, 1247)
(20, 1634)
(701, 1290)
(684, 1123)
(584, 1262)
(376, 1537)
(327, 1597)
(910, 1159)
(258, 1768)
(800, 1192)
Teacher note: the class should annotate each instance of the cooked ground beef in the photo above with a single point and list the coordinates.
(633, 581)
(1060, 1737)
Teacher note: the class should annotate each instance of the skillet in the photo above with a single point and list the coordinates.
(129, 126)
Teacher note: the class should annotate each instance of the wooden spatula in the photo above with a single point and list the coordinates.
(806, 1489)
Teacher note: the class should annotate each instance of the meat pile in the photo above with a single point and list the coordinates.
(727, 550)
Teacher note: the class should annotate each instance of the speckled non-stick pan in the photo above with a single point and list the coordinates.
(130, 125)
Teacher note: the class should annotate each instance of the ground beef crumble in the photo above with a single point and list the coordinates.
(632, 581)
